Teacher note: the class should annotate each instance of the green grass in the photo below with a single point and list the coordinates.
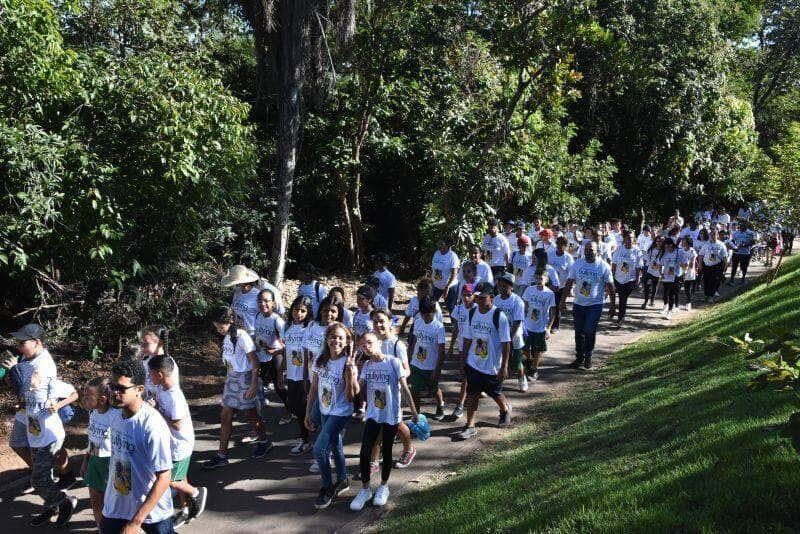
(665, 438)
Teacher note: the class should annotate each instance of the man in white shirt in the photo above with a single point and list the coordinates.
(593, 282)
(496, 248)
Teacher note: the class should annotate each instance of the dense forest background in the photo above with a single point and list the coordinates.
(147, 145)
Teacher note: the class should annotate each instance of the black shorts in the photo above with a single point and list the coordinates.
(478, 383)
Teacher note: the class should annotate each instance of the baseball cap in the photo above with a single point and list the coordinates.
(29, 331)
(646, 228)
(546, 233)
(521, 224)
(484, 289)
(510, 223)
(467, 289)
(507, 276)
(523, 240)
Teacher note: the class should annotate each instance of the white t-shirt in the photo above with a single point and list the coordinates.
(43, 426)
(235, 358)
(670, 266)
(394, 348)
(173, 406)
(561, 265)
(441, 265)
(429, 336)
(331, 388)
(514, 309)
(574, 240)
(382, 384)
(496, 249)
(539, 302)
(294, 338)
(267, 330)
(486, 349)
(688, 257)
(347, 320)
(590, 281)
(512, 241)
(644, 241)
(316, 291)
(628, 261)
(483, 273)
(45, 368)
(140, 448)
(653, 265)
(617, 237)
(412, 310)
(520, 262)
(245, 305)
(99, 432)
(552, 276)
(713, 253)
(362, 323)
(460, 315)
(386, 281)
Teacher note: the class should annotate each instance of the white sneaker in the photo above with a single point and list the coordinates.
(381, 495)
(523, 383)
(361, 499)
(668, 315)
(689, 307)
(664, 310)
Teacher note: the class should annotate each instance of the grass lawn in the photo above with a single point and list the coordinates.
(665, 438)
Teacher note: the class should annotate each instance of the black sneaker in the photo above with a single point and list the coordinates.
(576, 363)
(439, 415)
(324, 498)
(66, 481)
(197, 504)
(180, 519)
(341, 486)
(262, 449)
(587, 362)
(43, 518)
(65, 510)
(217, 460)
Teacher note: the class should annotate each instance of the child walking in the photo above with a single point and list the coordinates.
(382, 381)
(94, 469)
(427, 350)
(294, 338)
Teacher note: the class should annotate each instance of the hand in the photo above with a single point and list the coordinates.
(445, 293)
(308, 423)
(152, 402)
(503, 374)
(53, 408)
(8, 360)
(250, 393)
(84, 467)
(415, 418)
(132, 528)
(547, 334)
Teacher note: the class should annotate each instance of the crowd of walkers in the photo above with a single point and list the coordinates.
(331, 366)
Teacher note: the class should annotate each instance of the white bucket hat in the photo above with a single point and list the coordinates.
(239, 274)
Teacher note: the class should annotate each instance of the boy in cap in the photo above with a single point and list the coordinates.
(520, 261)
(484, 358)
(44, 396)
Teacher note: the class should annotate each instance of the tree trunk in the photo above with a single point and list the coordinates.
(348, 227)
(287, 51)
(355, 191)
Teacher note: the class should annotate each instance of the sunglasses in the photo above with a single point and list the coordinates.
(116, 388)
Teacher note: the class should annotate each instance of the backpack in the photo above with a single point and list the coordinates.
(495, 317)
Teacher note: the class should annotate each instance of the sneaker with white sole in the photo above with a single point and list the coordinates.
(406, 458)
(467, 433)
(668, 316)
(314, 467)
(689, 307)
(301, 448)
(361, 499)
(286, 418)
(505, 418)
(197, 504)
(523, 383)
(65, 510)
(664, 310)
(458, 412)
(381, 495)
(218, 460)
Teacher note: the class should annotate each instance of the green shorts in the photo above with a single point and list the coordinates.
(421, 382)
(180, 468)
(97, 473)
(535, 341)
(516, 359)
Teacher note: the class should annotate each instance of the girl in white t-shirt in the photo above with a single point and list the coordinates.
(652, 273)
(153, 342)
(337, 295)
(241, 385)
(294, 365)
(688, 256)
(94, 469)
(382, 380)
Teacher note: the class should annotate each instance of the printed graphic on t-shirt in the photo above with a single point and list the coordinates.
(94, 450)
(437, 276)
(421, 354)
(122, 476)
(481, 348)
(519, 272)
(585, 289)
(671, 271)
(297, 360)
(488, 256)
(326, 397)
(534, 315)
(625, 267)
(713, 257)
(380, 399)
(34, 426)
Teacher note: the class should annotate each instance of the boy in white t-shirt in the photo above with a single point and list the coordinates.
(171, 404)
(386, 280)
(444, 266)
(310, 287)
(496, 249)
(511, 304)
(459, 318)
(540, 307)
(426, 351)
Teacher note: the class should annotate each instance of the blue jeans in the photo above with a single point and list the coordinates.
(330, 436)
(586, 319)
(115, 526)
(450, 302)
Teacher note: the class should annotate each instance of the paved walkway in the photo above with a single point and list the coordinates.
(276, 493)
